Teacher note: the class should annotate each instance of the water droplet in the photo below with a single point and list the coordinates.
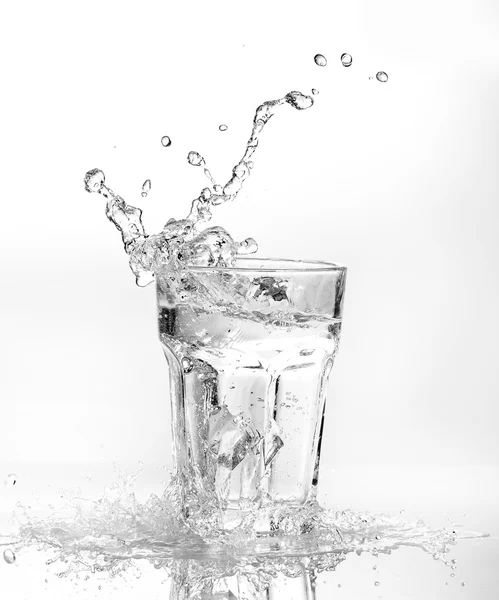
(195, 159)
(10, 480)
(187, 364)
(223, 127)
(376, 583)
(346, 59)
(320, 60)
(402, 511)
(9, 557)
(94, 180)
(146, 187)
(217, 189)
(166, 141)
(452, 574)
(382, 76)
(375, 567)
(315, 92)
(339, 584)
(371, 77)
(463, 583)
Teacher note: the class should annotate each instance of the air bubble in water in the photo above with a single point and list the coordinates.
(9, 557)
(195, 159)
(320, 60)
(346, 59)
(315, 92)
(166, 141)
(187, 364)
(223, 127)
(146, 187)
(10, 480)
(382, 76)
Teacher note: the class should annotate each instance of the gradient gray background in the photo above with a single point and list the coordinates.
(398, 181)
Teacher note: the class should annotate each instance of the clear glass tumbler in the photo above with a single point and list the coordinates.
(249, 353)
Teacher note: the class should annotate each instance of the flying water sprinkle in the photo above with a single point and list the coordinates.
(346, 59)
(146, 187)
(382, 76)
(166, 141)
(223, 127)
(320, 60)
(183, 243)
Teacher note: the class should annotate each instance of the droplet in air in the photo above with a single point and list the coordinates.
(10, 480)
(376, 583)
(195, 159)
(382, 76)
(463, 583)
(346, 59)
(223, 127)
(166, 141)
(315, 92)
(146, 187)
(94, 180)
(320, 60)
(375, 567)
(9, 557)
(452, 574)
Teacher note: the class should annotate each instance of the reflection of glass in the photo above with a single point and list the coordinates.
(255, 584)
(249, 355)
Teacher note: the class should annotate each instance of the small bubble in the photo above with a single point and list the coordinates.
(223, 127)
(10, 480)
(146, 187)
(375, 567)
(376, 583)
(463, 583)
(166, 141)
(382, 76)
(346, 59)
(402, 511)
(320, 60)
(9, 557)
(315, 92)
(452, 574)
(195, 159)
(339, 584)
(187, 364)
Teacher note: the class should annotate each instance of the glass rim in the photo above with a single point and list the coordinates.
(296, 266)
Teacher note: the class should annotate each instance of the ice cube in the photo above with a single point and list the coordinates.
(271, 443)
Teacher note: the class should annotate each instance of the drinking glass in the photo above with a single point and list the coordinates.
(249, 349)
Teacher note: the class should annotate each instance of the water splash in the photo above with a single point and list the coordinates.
(320, 60)
(346, 59)
(182, 243)
(109, 533)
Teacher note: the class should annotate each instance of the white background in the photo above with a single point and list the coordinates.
(398, 181)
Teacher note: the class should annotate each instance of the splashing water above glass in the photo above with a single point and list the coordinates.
(182, 243)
